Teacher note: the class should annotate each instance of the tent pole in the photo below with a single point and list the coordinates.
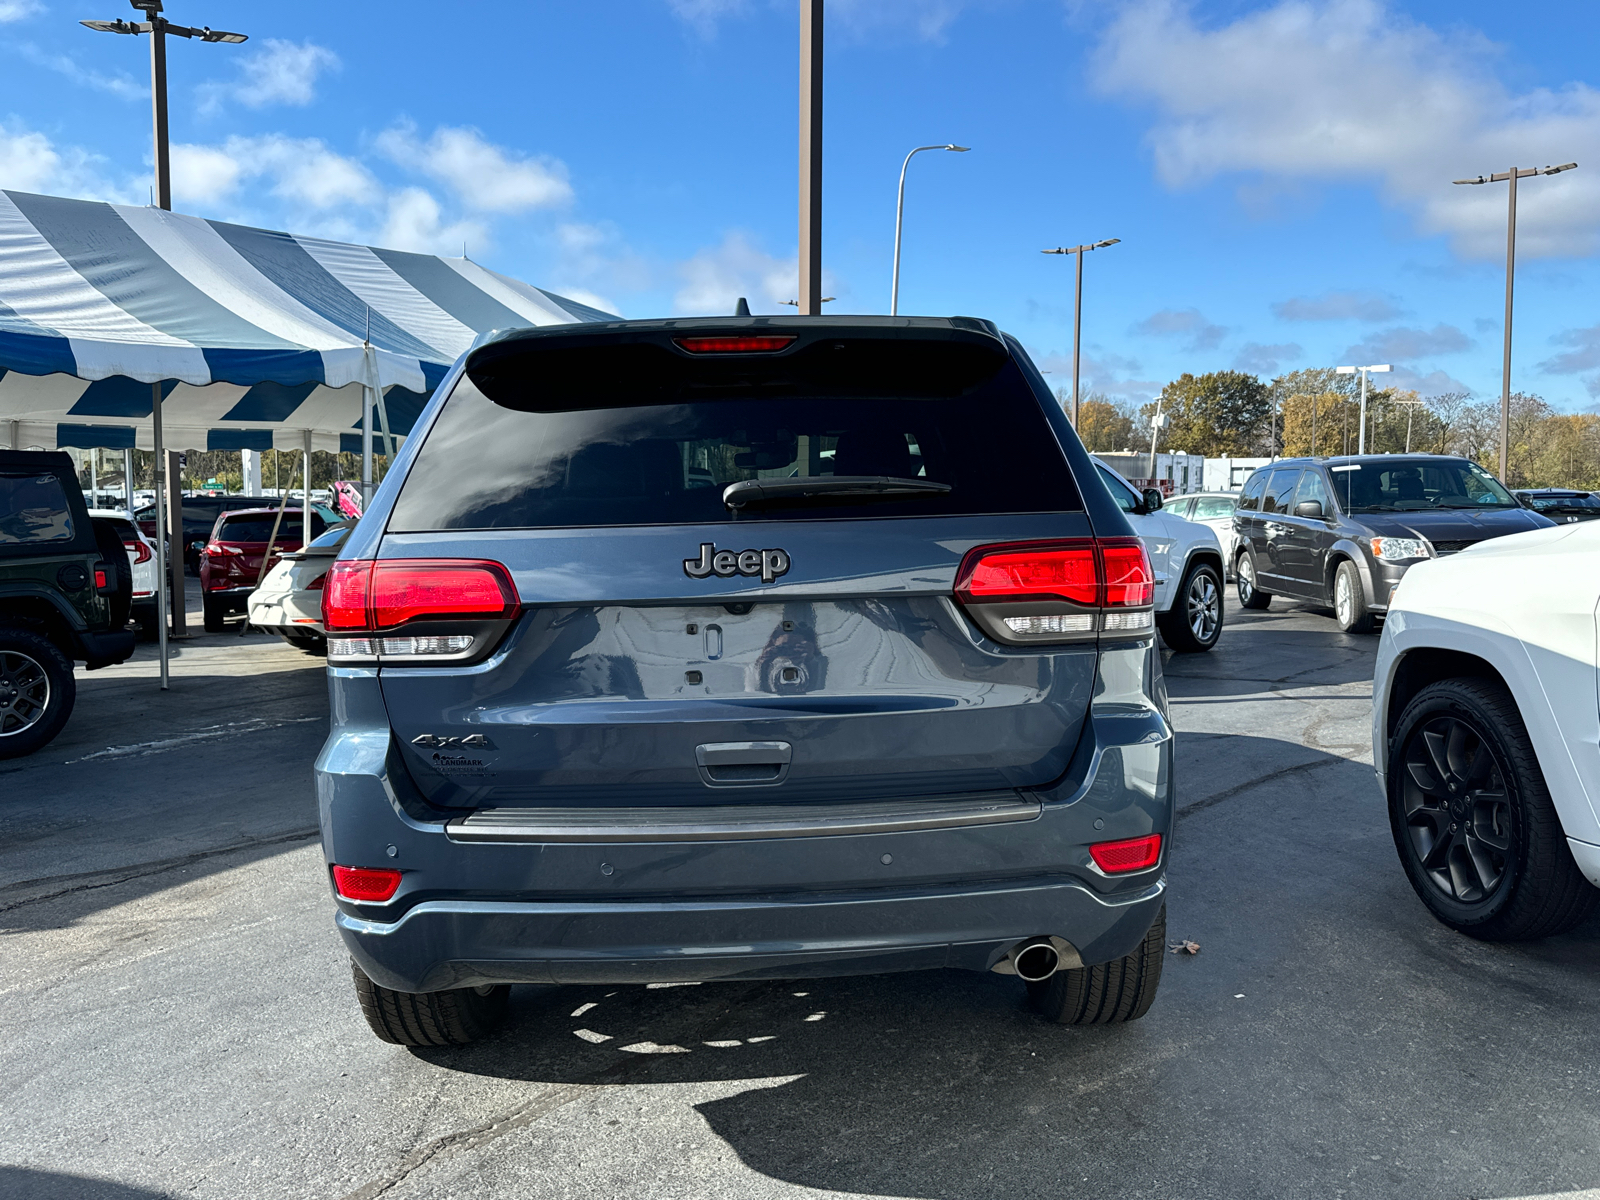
(16, 434)
(127, 479)
(366, 448)
(161, 529)
(305, 482)
(173, 499)
(94, 476)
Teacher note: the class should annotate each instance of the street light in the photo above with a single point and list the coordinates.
(900, 211)
(168, 524)
(1361, 438)
(1511, 177)
(1077, 310)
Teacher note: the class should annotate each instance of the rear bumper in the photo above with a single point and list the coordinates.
(448, 944)
(279, 611)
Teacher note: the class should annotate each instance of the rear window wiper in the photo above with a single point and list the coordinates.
(805, 487)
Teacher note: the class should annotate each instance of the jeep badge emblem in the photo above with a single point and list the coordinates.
(768, 564)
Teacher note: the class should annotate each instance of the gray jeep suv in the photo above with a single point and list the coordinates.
(738, 649)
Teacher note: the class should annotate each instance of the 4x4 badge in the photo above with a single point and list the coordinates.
(475, 740)
(768, 564)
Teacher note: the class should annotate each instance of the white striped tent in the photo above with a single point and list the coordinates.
(256, 338)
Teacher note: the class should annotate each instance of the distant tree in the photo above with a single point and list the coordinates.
(1446, 411)
(1218, 413)
(1104, 426)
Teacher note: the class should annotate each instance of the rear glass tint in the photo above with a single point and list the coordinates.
(501, 464)
(1209, 508)
(33, 508)
(258, 528)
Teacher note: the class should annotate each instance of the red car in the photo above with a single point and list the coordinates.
(230, 564)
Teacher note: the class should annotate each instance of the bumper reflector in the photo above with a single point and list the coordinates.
(370, 885)
(1129, 854)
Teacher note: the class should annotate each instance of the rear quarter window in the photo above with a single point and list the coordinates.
(526, 459)
(33, 508)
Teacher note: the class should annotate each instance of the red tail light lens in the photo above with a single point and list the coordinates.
(749, 344)
(99, 579)
(381, 595)
(1130, 854)
(371, 885)
(1130, 582)
(1065, 569)
(219, 550)
(140, 551)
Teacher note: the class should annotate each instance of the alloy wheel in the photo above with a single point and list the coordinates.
(24, 692)
(1343, 603)
(1245, 573)
(1457, 809)
(1205, 606)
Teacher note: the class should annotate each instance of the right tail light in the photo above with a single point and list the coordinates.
(140, 551)
(1067, 591)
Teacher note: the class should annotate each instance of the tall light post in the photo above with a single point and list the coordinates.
(1411, 408)
(169, 520)
(811, 157)
(900, 212)
(1511, 177)
(1361, 437)
(1077, 309)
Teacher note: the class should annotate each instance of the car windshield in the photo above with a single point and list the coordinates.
(1417, 485)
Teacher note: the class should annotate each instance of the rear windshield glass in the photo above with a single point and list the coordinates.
(258, 528)
(1542, 502)
(488, 465)
(33, 508)
(1209, 508)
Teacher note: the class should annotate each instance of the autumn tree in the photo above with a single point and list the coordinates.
(1104, 426)
(1219, 413)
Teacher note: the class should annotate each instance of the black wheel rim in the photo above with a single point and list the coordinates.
(1204, 601)
(24, 692)
(1457, 809)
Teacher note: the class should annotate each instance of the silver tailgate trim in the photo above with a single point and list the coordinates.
(740, 822)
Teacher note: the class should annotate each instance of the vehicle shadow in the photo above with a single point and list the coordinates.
(25, 1183)
(1289, 645)
(1304, 1050)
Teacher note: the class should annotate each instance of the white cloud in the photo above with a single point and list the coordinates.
(280, 72)
(703, 15)
(1401, 344)
(1190, 322)
(484, 176)
(1337, 306)
(715, 278)
(124, 86)
(303, 171)
(1109, 374)
(1338, 90)
(416, 222)
(15, 10)
(860, 19)
(31, 162)
(1265, 360)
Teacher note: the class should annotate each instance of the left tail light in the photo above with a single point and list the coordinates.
(417, 609)
(1066, 591)
(140, 551)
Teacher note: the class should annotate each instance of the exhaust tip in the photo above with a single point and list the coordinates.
(1035, 961)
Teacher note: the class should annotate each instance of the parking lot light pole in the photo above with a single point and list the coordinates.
(1411, 408)
(900, 212)
(1077, 310)
(1361, 436)
(1510, 177)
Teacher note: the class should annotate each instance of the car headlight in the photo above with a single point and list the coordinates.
(1391, 549)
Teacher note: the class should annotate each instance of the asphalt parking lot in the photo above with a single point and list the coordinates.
(180, 1020)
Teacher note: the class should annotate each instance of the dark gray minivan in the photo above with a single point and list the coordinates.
(743, 649)
(1342, 531)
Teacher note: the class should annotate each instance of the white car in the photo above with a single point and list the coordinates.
(1214, 510)
(142, 560)
(1486, 732)
(289, 600)
(1187, 560)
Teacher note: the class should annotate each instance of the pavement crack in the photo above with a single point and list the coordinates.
(1316, 764)
(90, 880)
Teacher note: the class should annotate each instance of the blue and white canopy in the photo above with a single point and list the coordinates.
(255, 337)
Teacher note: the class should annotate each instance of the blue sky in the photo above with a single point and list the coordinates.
(1279, 173)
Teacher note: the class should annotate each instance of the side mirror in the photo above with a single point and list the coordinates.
(1308, 508)
(1152, 499)
(1525, 501)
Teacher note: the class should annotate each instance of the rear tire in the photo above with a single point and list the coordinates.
(451, 1018)
(1111, 993)
(1244, 573)
(216, 616)
(1349, 600)
(1195, 622)
(37, 692)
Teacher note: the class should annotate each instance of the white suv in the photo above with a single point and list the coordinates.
(1187, 559)
(1486, 734)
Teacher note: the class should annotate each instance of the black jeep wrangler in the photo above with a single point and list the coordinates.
(65, 591)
